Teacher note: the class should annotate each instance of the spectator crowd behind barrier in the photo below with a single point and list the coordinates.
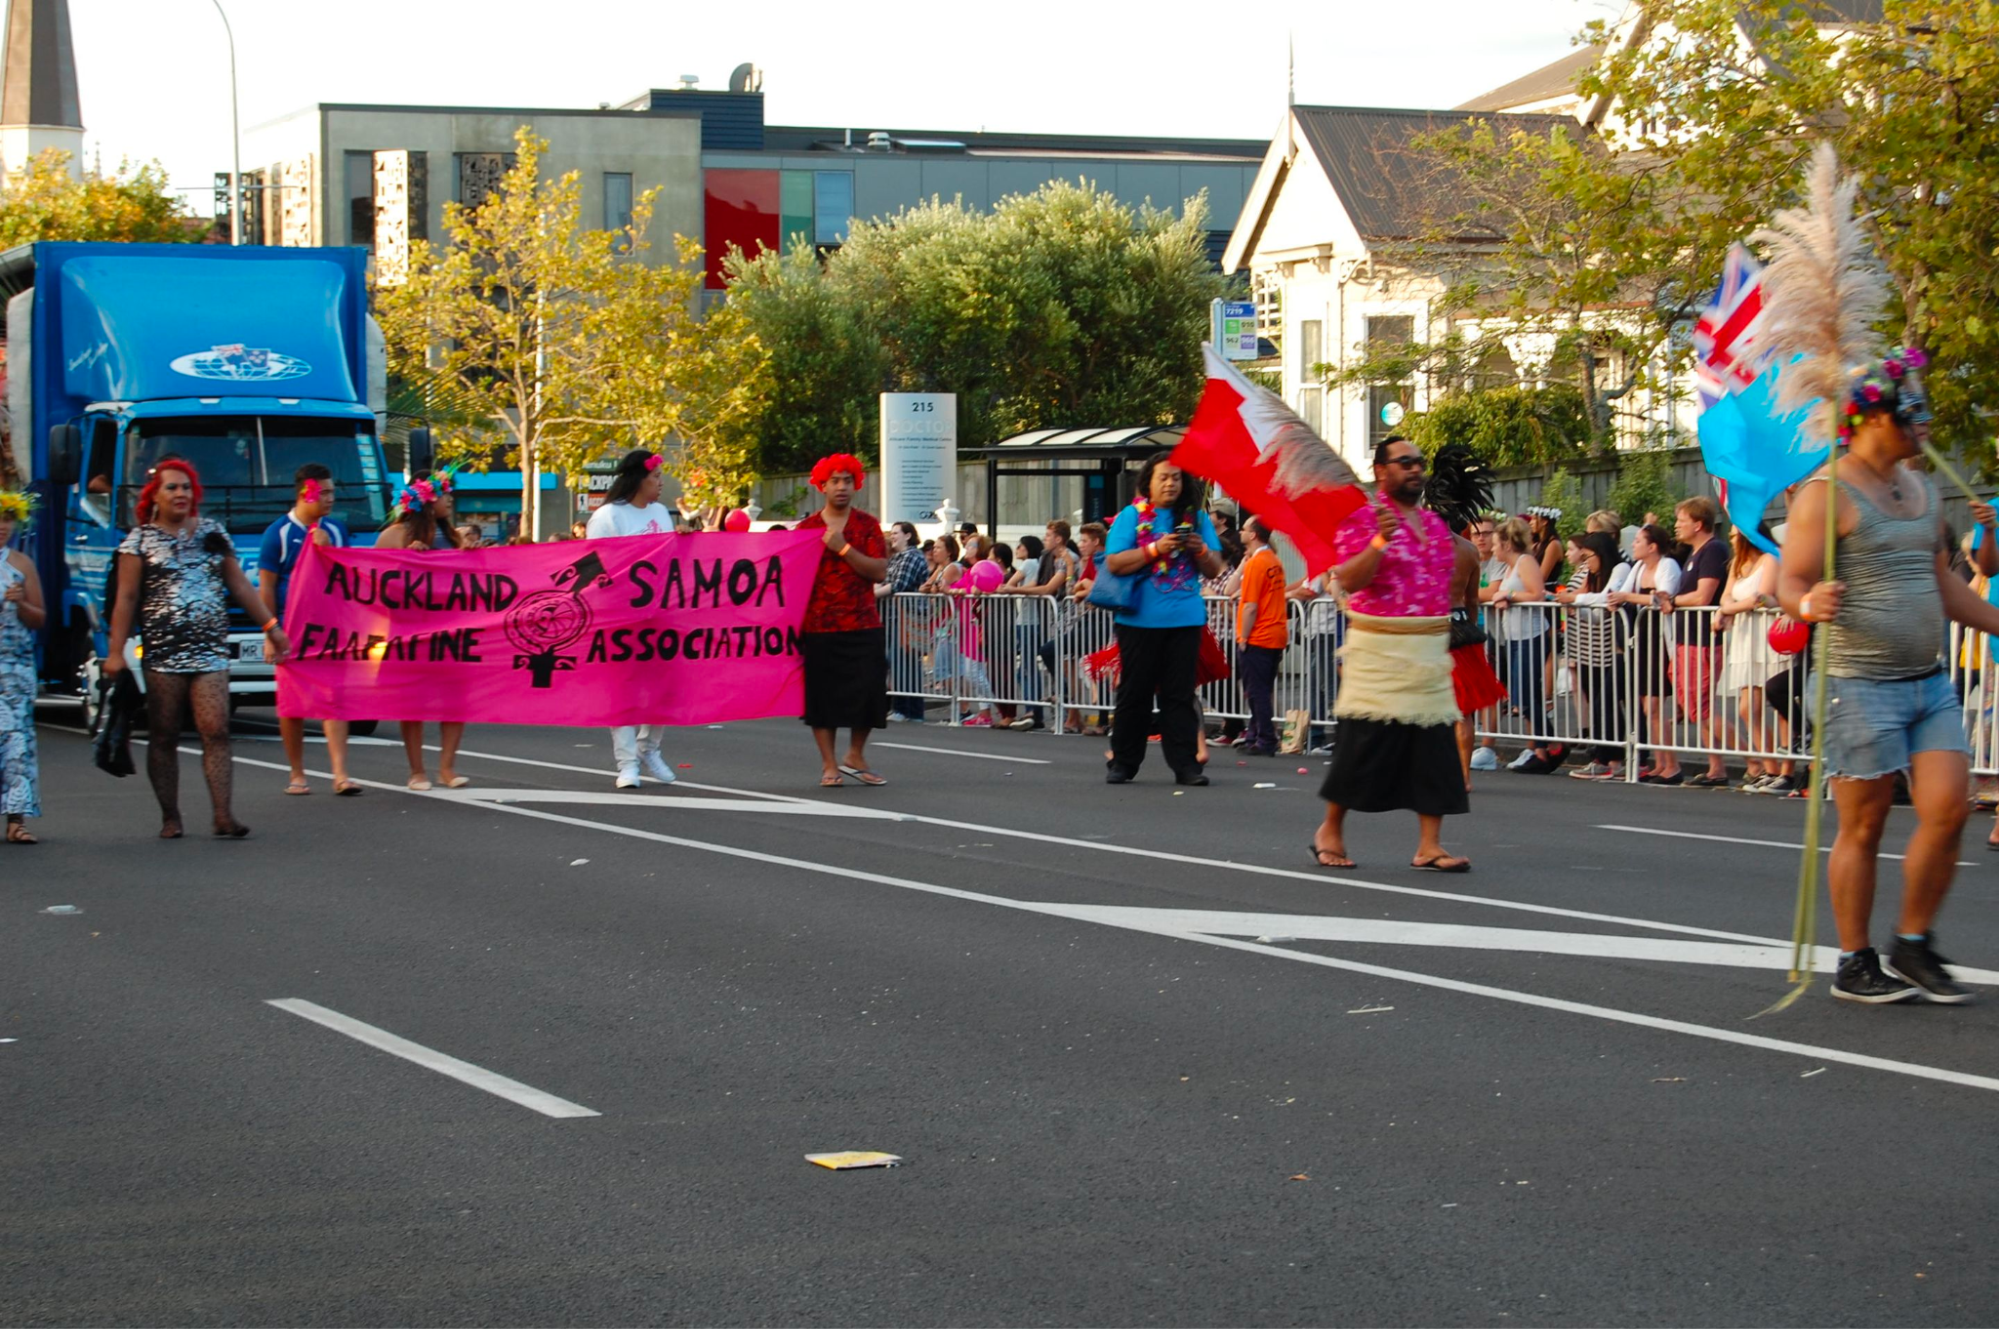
(1619, 687)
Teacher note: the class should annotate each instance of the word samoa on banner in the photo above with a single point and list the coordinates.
(636, 630)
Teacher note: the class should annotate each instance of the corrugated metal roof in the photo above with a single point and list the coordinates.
(1550, 80)
(1365, 153)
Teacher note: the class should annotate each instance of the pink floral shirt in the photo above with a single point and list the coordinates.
(1415, 576)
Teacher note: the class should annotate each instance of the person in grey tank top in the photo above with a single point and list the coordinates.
(1891, 707)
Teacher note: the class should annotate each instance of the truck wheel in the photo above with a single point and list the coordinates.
(362, 729)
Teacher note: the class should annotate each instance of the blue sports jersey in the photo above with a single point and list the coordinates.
(284, 541)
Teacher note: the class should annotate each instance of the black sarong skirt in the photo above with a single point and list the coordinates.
(846, 680)
(1382, 765)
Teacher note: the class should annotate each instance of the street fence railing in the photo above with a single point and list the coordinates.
(1629, 683)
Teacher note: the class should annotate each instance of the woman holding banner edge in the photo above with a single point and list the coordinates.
(632, 508)
(422, 522)
(846, 663)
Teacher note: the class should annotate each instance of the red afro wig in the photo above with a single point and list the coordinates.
(823, 469)
(151, 493)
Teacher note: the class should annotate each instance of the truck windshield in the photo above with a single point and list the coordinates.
(247, 464)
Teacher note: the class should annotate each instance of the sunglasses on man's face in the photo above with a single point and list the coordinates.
(1413, 462)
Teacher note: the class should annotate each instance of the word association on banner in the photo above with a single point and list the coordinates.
(486, 634)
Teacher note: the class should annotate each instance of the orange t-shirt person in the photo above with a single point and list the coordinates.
(1260, 611)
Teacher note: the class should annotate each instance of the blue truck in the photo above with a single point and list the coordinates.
(247, 361)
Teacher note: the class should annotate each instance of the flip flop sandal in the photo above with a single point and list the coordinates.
(1319, 861)
(863, 775)
(457, 782)
(419, 783)
(830, 782)
(298, 787)
(20, 835)
(346, 789)
(1443, 864)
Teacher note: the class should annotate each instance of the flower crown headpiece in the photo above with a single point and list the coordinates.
(1541, 510)
(18, 505)
(1892, 384)
(419, 493)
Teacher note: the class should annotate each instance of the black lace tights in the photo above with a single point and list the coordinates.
(168, 697)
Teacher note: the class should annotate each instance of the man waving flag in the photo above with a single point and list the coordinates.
(1247, 441)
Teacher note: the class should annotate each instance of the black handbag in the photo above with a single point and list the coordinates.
(1465, 631)
(119, 704)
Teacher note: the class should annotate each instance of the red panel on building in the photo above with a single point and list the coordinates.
(742, 210)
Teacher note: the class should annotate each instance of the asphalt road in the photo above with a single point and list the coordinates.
(1144, 1063)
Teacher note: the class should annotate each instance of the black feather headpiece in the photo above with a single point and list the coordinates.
(1460, 486)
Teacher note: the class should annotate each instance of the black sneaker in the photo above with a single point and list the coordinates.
(1860, 979)
(1779, 785)
(1191, 776)
(1919, 964)
(1117, 776)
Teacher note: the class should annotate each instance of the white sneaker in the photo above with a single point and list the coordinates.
(628, 777)
(656, 767)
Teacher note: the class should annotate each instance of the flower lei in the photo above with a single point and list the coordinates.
(1146, 513)
(18, 505)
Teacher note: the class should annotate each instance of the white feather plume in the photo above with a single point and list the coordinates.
(1822, 294)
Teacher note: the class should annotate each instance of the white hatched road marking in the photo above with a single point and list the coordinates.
(442, 1063)
(1740, 840)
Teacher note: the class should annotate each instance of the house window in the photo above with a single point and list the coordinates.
(832, 206)
(480, 174)
(1388, 403)
(618, 205)
(1312, 409)
(360, 186)
(1267, 290)
(1311, 349)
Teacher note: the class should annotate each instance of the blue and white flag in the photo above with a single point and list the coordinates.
(1753, 451)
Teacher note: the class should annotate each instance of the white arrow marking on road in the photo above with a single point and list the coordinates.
(1475, 937)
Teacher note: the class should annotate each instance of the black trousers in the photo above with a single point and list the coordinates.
(1257, 668)
(1156, 663)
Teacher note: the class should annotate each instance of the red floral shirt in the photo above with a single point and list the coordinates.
(842, 600)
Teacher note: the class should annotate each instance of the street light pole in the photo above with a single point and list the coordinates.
(235, 139)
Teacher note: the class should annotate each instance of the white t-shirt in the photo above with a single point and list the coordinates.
(623, 519)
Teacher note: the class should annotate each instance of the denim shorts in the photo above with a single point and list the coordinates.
(1873, 726)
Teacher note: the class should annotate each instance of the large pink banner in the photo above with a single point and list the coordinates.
(636, 630)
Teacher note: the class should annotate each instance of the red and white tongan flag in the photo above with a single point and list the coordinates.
(1247, 441)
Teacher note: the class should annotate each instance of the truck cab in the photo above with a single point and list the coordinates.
(247, 361)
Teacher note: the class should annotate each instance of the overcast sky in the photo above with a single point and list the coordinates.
(154, 74)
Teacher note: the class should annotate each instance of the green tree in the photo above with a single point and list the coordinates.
(556, 344)
(1643, 486)
(1507, 426)
(1061, 307)
(1601, 249)
(1562, 490)
(43, 201)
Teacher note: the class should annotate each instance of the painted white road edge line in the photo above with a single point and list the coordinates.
(1740, 840)
(1079, 913)
(959, 752)
(442, 1063)
(1135, 851)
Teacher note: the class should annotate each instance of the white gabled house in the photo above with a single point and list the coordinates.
(1326, 236)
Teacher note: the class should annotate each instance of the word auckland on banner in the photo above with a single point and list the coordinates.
(655, 629)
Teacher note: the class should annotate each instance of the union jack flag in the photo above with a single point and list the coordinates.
(1727, 357)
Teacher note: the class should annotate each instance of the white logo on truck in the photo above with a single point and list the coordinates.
(240, 364)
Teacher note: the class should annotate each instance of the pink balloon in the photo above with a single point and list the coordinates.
(738, 520)
(986, 575)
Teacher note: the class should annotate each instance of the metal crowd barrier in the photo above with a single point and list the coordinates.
(1628, 683)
